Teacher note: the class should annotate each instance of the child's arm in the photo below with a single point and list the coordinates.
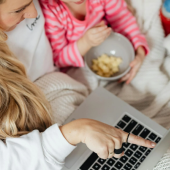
(93, 37)
(123, 22)
(135, 65)
(65, 54)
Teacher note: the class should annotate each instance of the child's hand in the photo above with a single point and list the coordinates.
(135, 65)
(96, 35)
(93, 37)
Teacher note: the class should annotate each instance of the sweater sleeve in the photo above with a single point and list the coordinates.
(35, 151)
(123, 22)
(65, 54)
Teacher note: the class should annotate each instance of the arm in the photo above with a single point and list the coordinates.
(35, 150)
(65, 54)
(123, 22)
(48, 150)
(99, 137)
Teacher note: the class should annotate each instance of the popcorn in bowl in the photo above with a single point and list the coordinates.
(106, 66)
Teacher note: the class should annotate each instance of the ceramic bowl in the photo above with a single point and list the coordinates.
(116, 45)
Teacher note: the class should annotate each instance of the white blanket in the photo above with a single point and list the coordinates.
(63, 93)
(149, 92)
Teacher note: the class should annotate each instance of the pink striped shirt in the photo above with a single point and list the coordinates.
(63, 29)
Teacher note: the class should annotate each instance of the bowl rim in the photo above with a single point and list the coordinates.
(116, 77)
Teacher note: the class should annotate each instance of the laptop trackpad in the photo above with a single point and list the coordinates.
(75, 155)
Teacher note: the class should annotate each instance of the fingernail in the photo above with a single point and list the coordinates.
(153, 144)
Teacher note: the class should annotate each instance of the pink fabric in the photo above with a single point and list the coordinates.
(63, 30)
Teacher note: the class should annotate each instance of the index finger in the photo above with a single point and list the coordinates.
(138, 141)
(132, 75)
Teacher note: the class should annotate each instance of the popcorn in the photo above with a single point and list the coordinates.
(106, 66)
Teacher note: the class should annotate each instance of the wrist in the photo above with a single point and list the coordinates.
(83, 46)
(140, 51)
(72, 132)
(85, 43)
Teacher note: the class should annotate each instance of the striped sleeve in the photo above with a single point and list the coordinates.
(123, 22)
(64, 54)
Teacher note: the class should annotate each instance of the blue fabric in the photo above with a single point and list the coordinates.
(167, 5)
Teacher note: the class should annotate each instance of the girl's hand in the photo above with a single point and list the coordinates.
(93, 37)
(99, 137)
(135, 65)
(96, 35)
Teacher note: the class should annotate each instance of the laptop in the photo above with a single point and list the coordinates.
(103, 106)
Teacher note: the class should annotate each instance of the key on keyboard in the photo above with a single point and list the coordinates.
(127, 166)
(121, 124)
(152, 136)
(137, 129)
(96, 166)
(130, 126)
(157, 140)
(105, 167)
(148, 152)
(142, 148)
(138, 154)
(101, 161)
(145, 133)
(133, 147)
(128, 152)
(118, 165)
(111, 162)
(133, 160)
(142, 159)
(87, 164)
(123, 159)
(126, 118)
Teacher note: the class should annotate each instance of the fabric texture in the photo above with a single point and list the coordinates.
(63, 93)
(63, 29)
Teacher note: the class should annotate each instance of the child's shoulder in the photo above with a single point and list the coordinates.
(55, 10)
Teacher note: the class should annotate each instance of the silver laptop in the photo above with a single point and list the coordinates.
(103, 106)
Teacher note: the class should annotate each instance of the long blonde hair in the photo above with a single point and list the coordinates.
(23, 107)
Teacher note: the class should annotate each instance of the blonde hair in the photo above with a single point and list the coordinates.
(23, 107)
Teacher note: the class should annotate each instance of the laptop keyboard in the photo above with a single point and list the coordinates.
(134, 154)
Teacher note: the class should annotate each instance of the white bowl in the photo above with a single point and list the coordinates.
(116, 45)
